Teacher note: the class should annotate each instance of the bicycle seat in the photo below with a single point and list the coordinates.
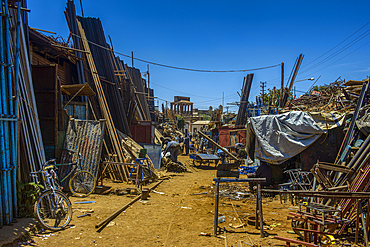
(48, 167)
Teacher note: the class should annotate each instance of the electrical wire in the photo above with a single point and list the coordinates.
(174, 67)
(339, 51)
(211, 101)
(181, 92)
(343, 57)
(331, 56)
(336, 45)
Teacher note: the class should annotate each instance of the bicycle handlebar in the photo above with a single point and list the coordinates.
(67, 164)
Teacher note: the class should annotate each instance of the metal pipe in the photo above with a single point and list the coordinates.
(355, 165)
(2, 147)
(259, 199)
(5, 148)
(16, 87)
(10, 139)
(216, 207)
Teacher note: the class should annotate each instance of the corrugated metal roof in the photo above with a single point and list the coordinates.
(201, 122)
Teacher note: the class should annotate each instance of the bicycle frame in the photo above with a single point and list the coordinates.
(69, 174)
(50, 184)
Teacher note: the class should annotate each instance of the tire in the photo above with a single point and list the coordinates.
(53, 210)
(82, 184)
(298, 224)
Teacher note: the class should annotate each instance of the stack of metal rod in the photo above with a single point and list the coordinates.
(17, 103)
(8, 123)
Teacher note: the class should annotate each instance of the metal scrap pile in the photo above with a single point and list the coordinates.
(341, 188)
(340, 96)
(171, 166)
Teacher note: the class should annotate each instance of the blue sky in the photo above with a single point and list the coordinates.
(227, 35)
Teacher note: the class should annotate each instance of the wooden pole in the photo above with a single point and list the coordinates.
(116, 213)
(218, 145)
(282, 85)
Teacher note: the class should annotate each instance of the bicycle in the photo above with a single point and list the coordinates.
(82, 183)
(53, 209)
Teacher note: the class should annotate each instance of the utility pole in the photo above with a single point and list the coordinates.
(132, 59)
(223, 99)
(148, 77)
(263, 85)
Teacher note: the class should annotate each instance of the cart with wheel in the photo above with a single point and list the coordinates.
(199, 159)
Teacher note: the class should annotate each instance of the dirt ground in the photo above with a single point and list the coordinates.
(173, 217)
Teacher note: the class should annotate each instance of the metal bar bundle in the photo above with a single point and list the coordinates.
(70, 14)
(241, 117)
(16, 82)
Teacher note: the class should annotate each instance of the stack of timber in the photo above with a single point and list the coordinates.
(105, 65)
(108, 75)
(134, 150)
(340, 96)
(124, 83)
(104, 108)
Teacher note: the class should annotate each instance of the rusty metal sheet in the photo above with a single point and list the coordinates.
(84, 137)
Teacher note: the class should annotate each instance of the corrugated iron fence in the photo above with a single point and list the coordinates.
(84, 137)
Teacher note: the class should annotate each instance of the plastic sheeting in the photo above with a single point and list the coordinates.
(327, 121)
(277, 138)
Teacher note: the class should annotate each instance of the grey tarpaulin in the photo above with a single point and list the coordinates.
(277, 138)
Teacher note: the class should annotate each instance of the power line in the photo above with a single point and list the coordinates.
(336, 45)
(339, 51)
(313, 66)
(209, 101)
(343, 57)
(182, 92)
(174, 67)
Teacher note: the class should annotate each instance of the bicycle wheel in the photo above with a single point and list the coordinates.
(82, 184)
(53, 210)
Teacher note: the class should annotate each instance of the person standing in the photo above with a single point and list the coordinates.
(187, 144)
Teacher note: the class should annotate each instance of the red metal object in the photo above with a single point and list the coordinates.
(224, 135)
(142, 132)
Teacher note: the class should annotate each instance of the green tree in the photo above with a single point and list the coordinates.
(180, 122)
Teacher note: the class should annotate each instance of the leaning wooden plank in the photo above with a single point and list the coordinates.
(218, 145)
(102, 101)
